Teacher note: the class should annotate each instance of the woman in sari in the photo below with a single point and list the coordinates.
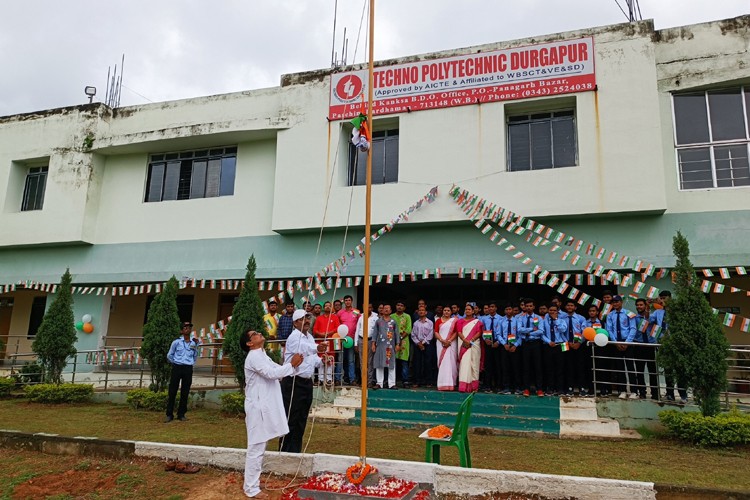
(469, 331)
(447, 356)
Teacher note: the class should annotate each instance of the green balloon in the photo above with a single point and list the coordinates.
(602, 330)
(79, 325)
(348, 342)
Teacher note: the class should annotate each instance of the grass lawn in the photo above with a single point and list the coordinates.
(651, 459)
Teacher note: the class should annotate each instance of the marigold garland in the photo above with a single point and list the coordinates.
(362, 470)
(439, 432)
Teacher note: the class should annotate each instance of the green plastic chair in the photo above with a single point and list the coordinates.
(459, 438)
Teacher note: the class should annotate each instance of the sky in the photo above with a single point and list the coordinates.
(174, 49)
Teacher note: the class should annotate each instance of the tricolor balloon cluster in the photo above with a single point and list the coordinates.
(343, 332)
(598, 336)
(85, 324)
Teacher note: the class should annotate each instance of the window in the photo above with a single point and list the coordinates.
(384, 159)
(33, 189)
(36, 315)
(542, 140)
(711, 137)
(187, 175)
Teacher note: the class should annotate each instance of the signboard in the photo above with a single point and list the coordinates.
(502, 75)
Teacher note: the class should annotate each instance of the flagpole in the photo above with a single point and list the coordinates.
(366, 288)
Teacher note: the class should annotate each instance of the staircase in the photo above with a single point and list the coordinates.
(411, 408)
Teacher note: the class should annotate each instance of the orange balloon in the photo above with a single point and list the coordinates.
(588, 333)
(88, 327)
(656, 305)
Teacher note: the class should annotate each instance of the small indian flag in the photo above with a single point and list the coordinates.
(437, 272)
(705, 286)
(729, 319)
(612, 257)
(590, 249)
(577, 337)
(650, 269)
(579, 245)
(565, 255)
(389, 279)
(600, 253)
(652, 292)
(639, 285)
(460, 272)
(507, 277)
(401, 277)
(718, 288)
(486, 229)
(740, 270)
(519, 277)
(511, 338)
(487, 335)
(559, 237)
(564, 347)
(573, 293)
(707, 273)
(656, 332)
(745, 325)
(624, 261)
(583, 298)
(562, 288)
(486, 275)
(724, 273)
(426, 274)
(494, 235)
(473, 274)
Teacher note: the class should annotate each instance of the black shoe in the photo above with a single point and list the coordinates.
(168, 419)
(182, 418)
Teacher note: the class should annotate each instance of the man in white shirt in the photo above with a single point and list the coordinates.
(297, 390)
(264, 411)
(359, 339)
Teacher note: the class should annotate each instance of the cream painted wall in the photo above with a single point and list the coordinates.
(618, 135)
(694, 57)
(124, 217)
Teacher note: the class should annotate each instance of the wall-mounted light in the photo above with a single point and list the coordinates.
(91, 92)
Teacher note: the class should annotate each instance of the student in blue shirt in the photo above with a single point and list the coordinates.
(621, 328)
(554, 337)
(492, 369)
(510, 355)
(645, 357)
(530, 328)
(182, 354)
(593, 320)
(577, 360)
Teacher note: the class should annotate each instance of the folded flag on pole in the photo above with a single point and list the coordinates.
(360, 134)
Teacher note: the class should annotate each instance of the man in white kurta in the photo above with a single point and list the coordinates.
(264, 409)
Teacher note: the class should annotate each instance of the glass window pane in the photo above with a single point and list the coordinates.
(691, 118)
(228, 170)
(727, 116)
(155, 182)
(519, 141)
(541, 145)
(391, 158)
(213, 177)
(378, 161)
(198, 181)
(731, 166)
(183, 185)
(564, 142)
(171, 181)
(695, 168)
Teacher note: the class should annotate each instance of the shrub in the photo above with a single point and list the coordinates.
(725, 429)
(59, 393)
(144, 399)
(233, 403)
(31, 373)
(6, 385)
(161, 329)
(55, 340)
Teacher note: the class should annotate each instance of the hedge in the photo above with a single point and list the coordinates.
(59, 393)
(233, 403)
(145, 399)
(725, 429)
(6, 385)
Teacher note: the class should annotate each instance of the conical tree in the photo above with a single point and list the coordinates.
(161, 328)
(55, 340)
(247, 314)
(694, 348)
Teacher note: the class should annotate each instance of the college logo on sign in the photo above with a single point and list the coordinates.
(349, 88)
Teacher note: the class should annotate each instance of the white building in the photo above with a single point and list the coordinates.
(623, 137)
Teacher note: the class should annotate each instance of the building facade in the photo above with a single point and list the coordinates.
(655, 140)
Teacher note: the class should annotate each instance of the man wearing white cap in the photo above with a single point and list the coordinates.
(297, 390)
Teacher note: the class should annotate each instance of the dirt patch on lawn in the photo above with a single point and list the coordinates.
(72, 482)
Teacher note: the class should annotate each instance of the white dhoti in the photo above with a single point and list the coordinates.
(380, 375)
(253, 468)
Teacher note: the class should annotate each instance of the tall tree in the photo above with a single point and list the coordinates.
(694, 348)
(161, 328)
(55, 340)
(247, 314)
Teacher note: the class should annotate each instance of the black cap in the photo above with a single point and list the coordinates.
(617, 298)
(187, 324)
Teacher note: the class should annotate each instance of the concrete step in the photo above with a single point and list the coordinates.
(510, 424)
(590, 428)
(518, 407)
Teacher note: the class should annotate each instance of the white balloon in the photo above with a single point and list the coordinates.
(601, 339)
(86, 318)
(343, 330)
